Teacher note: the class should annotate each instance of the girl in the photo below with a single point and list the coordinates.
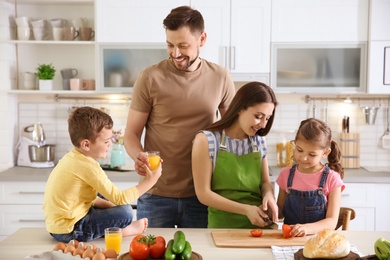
(229, 162)
(310, 192)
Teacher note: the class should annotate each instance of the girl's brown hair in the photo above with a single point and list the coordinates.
(319, 132)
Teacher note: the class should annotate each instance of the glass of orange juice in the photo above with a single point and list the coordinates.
(113, 238)
(154, 159)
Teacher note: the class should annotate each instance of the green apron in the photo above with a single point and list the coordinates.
(237, 178)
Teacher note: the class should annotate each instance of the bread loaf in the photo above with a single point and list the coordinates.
(327, 244)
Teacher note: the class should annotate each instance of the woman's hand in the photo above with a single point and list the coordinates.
(257, 216)
(270, 206)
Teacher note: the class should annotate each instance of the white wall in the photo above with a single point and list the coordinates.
(292, 109)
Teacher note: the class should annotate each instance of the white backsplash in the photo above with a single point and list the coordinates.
(289, 113)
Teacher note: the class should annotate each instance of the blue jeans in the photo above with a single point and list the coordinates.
(164, 212)
(93, 224)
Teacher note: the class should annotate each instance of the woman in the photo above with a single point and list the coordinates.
(229, 162)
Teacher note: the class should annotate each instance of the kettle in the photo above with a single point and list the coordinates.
(118, 77)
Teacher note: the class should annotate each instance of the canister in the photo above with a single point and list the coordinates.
(285, 148)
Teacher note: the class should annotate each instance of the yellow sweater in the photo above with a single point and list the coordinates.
(72, 188)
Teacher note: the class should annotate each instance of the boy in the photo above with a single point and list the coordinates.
(72, 207)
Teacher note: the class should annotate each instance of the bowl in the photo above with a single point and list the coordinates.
(43, 153)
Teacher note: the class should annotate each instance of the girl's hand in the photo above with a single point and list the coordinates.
(298, 230)
(153, 175)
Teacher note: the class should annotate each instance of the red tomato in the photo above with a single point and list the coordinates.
(256, 232)
(160, 238)
(139, 249)
(138, 237)
(157, 249)
(286, 230)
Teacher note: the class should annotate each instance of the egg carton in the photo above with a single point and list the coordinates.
(58, 255)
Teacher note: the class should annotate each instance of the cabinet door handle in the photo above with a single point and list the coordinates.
(345, 195)
(31, 220)
(233, 57)
(225, 53)
(31, 192)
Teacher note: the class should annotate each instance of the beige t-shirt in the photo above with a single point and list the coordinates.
(179, 104)
(71, 190)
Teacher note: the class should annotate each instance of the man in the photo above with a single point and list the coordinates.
(172, 100)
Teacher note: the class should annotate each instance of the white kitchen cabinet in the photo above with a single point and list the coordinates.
(61, 54)
(238, 35)
(121, 21)
(382, 209)
(360, 197)
(378, 81)
(379, 29)
(21, 206)
(319, 21)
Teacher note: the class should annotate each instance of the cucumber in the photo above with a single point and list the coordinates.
(187, 252)
(169, 254)
(179, 241)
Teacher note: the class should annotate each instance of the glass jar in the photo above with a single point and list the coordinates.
(117, 156)
(284, 148)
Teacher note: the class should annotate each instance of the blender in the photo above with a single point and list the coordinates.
(33, 150)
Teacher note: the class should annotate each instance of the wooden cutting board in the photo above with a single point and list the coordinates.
(243, 238)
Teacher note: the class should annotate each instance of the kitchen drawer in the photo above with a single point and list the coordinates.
(22, 192)
(358, 195)
(13, 217)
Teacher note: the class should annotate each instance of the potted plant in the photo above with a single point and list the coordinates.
(45, 74)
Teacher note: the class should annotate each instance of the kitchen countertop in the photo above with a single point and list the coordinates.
(18, 173)
(359, 175)
(32, 241)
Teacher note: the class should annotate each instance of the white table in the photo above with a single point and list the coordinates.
(31, 241)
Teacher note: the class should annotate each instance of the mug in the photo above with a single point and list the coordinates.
(70, 33)
(86, 33)
(69, 73)
(24, 33)
(76, 84)
(57, 33)
(39, 33)
(88, 84)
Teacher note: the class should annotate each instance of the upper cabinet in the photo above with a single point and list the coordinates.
(319, 21)
(121, 21)
(379, 20)
(238, 34)
(379, 48)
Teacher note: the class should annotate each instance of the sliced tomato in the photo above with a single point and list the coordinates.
(286, 230)
(256, 232)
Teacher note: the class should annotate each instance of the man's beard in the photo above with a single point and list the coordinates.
(189, 63)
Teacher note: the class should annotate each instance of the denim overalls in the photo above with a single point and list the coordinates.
(305, 206)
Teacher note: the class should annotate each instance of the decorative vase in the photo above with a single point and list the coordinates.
(45, 84)
(117, 156)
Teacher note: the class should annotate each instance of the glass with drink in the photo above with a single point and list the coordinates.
(154, 159)
(113, 238)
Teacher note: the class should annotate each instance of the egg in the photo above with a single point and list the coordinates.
(70, 247)
(111, 253)
(89, 252)
(60, 246)
(79, 250)
(99, 255)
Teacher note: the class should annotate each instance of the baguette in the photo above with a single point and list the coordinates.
(327, 244)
